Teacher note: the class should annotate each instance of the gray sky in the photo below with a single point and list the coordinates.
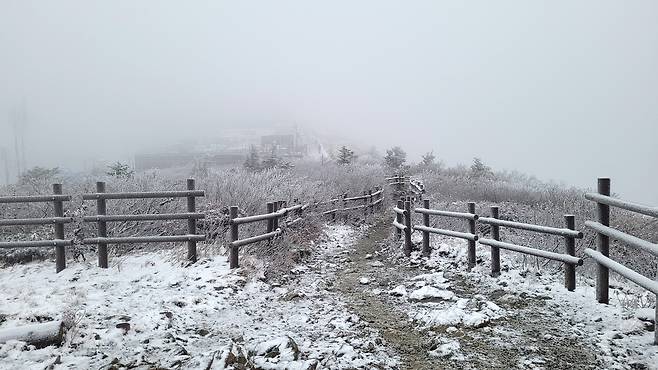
(565, 90)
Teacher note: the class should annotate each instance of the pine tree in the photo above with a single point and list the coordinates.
(395, 158)
(345, 156)
(253, 160)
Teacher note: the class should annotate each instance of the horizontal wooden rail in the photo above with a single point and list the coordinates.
(377, 201)
(36, 221)
(145, 217)
(467, 216)
(295, 221)
(331, 211)
(629, 206)
(255, 239)
(454, 234)
(532, 227)
(360, 197)
(36, 244)
(145, 239)
(145, 195)
(399, 225)
(624, 271)
(35, 198)
(631, 240)
(398, 211)
(533, 251)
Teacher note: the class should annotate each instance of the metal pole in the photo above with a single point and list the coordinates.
(407, 230)
(495, 251)
(471, 243)
(426, 234)
(270, 223)
(233, 252)
(60, 251)
(603, 274)
(398, 218)
(570, 245)
(191, 223)
(101, 209)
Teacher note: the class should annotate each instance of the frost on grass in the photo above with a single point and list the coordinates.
(147, 311)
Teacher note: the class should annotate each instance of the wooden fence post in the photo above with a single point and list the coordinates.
(101, 209)
(407, 230)
(603, 274)
(365, 205)
(191, 223)
(370, 207)
(495, 251)
(471, 243)
(233, 252)
(426, 234)
(398, 218)
(275, 220)
(270, 223)
(345, 217)
(570, 244)
(60, 250)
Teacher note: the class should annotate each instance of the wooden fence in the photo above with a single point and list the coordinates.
(58, 221)
(403, 224)
(102, 218)
(275, 211)
(605, 232)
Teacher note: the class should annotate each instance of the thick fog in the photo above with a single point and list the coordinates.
(564, 90)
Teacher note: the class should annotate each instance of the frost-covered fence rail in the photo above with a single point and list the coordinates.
(102, 218)
(275, 211)
(569, 233)
(426, 229)
(57, 221)
(370, 200)
(605, 232)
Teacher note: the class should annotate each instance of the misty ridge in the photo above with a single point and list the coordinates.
(300, 185)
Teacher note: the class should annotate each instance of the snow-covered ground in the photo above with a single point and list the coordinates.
(149, 311)
(618, 333)
(203, 316)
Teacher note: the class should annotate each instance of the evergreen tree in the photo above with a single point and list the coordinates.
(395, 158)
(345, 156)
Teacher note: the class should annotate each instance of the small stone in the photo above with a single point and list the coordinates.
(123, 326)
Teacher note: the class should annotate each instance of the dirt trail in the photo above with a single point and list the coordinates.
(531, 335)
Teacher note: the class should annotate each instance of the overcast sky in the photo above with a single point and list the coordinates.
(564, 90)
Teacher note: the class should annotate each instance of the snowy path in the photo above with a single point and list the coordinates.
(354, 304)
(437, 315)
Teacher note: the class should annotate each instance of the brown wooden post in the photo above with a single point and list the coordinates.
(495, 251)
(570, 244)
(471, 243)
(370, 207)
(191, 223)
(60, 250)
(398, 218)
(270, 222)
(233, 252)
(426, 234)
(603, 275)
(365, 205)
(101, 209)
(275, 220)
(407, 230)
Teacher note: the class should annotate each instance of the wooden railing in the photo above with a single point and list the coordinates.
(402, 224)
(341, 205)
(275, 212)
(605, 233)
(57, 221)
(102, 218)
